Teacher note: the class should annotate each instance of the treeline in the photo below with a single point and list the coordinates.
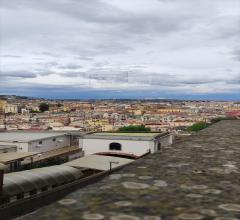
(201, 125)
(134, 128)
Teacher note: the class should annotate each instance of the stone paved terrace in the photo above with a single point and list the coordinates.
(196, 179)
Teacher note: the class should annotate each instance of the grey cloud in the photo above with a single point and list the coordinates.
(101, 42)
(17, 74)
(50, 64)
(10, 56)
(87, 58)
(236, 54)
(71, 66)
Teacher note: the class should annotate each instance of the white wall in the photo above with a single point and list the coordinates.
(48, 144)
(92, 146)
(138, 148)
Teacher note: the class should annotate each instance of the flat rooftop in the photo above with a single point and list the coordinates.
(194, 179)
(98, 162)
(128, 134)
(125, 135)
(20, 136)
(13, 156)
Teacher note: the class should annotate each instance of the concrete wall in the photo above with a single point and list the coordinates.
(164, 141)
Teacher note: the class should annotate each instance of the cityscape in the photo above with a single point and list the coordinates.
(119, 110)
(175, 116)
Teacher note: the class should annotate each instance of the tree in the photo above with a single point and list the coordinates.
(198, 126)
(43, 107)
(59, 105)
(134, 128)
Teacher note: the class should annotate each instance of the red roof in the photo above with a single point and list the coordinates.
(234, 113)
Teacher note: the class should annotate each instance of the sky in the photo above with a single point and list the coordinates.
(144, 49)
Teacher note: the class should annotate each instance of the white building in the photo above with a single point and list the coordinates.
(26, 141)
(11, 108)
(126, 144)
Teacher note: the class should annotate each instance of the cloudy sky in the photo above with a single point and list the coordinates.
(120, 48)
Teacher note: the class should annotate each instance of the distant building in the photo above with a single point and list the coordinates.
(130, 145)
(3, 104)
(11, 108)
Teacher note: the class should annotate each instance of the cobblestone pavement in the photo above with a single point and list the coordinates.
(196, 179)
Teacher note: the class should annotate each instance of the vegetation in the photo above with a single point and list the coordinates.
(201, 125)
(43, 107)
(34, 111)
(198, 126)
(134, 128)
(59, 105)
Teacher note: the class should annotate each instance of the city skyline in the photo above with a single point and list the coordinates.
(119, 49)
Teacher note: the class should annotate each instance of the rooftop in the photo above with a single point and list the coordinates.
(13, 156)
(21, 136)
(150, 134)
(194, 179)
(98, 162)
(25, 181)
(124, 136)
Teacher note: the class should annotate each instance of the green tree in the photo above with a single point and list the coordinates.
(198, 126)
(43, 107)
(134, 128)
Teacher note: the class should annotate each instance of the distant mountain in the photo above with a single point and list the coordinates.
(7, 97)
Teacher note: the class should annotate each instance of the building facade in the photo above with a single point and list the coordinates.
(132, 144)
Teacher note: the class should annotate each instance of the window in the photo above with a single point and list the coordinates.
(115, 146)
(39, 142)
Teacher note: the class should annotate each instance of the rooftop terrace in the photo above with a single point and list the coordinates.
(195, 179)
